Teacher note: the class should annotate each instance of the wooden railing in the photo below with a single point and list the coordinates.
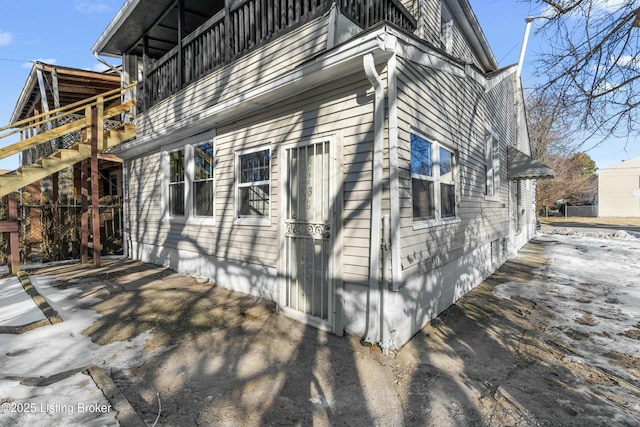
(367, 13)
(245, 24)
(30, 129)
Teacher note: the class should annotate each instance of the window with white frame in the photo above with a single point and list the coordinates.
(203, 187)
(253, 186)
(446, 28)
(191, 189)
(176, 183)
(433, 180)
(492, 165)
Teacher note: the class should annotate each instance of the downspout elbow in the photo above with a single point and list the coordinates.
(105, 63)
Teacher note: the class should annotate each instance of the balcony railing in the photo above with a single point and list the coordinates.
(246, 24)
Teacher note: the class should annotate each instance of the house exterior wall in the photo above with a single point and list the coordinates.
(450, 103)
(619, 190)
(443, 261)
(245, 257)
(429, 16)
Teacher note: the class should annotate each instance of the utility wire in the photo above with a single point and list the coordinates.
(17, 60)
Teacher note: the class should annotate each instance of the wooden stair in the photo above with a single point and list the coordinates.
(95, 114)
(61, 159)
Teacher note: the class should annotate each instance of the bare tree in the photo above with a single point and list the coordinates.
(551, 143)
(593, 63)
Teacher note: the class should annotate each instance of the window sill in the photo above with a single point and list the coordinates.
(492, 198)
(191, 220)
(261, 222)
(419, 225)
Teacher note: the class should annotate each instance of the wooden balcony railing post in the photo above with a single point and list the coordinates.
(181, 18)
(13, 259)
(84, 215)
(97, 135)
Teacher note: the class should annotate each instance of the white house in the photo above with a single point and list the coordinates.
(619, 190)
(348, 160)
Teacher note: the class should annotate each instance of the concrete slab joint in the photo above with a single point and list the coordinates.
(51, 316)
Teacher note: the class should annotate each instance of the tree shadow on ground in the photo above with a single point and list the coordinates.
(489, 361)
(221, 357)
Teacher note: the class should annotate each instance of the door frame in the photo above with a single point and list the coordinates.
(334, 323)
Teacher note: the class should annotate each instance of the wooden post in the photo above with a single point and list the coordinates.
(97, 136)
(13, 260)
(181, 18)
(228, 31)
(84, 218)
(146, 87)
(43, 93)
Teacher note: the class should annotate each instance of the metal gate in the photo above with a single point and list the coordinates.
(308, 232)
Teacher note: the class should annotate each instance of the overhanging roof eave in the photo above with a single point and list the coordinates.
(522, 166)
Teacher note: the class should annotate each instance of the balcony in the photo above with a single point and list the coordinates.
(242, 26)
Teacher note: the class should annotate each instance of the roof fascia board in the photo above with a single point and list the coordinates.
(121, 16)
(27, 89)
(461, 9)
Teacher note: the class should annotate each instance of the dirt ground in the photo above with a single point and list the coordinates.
(229, 360)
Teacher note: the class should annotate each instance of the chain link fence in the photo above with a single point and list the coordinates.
(52, 232)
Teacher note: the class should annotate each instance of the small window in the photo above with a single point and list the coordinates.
(253, 186)
(190, 189)
(433, 171)
(422, 182)
(446, 28)
(447, 185)
(203, 179)
(492, 166)
(176, 183)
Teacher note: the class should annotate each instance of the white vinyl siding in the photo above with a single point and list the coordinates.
(259, 67)
(437, 103)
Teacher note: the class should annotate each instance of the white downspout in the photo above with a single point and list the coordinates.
(106, 64)
(523, 49)
(374, 332)
(394, 201)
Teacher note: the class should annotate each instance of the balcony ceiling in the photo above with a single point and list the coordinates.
(158, 20)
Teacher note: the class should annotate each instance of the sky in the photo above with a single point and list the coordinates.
(62, 32)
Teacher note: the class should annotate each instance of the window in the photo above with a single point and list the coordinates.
(253, 181)
(203, 179)
(176, 183)
(446, 28)
(433, 170)
(191, 189)
(492, 165)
